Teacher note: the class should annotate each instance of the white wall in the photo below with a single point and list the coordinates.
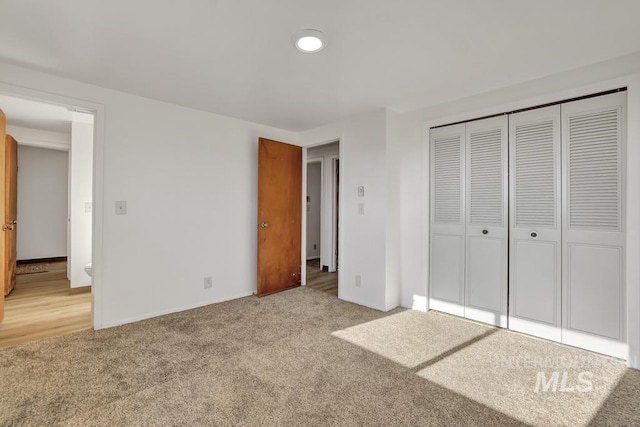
(80, 194)
(362, 237)
(42, 203)
(327, 153)
(190, 182)
(393, 170)
(411, 187)
(314, 195)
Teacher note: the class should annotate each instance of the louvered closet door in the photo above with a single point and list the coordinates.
(446, 272)
(535, 237)
(486, 217)
(593, 133)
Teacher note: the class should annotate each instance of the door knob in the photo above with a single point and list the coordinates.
(534, 234)
(264, 224)
(485, 231)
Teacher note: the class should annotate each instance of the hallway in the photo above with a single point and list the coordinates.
(321, 280)
(42, 305)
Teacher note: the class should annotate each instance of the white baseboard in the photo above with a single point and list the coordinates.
(383, 309)
(133, 319)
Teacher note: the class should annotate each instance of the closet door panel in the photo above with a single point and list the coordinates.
(534, 285)
(486, 242)
(485, 270)
(593, 224)
(535, 237)
(447, 225)
(595, 290)
(447, 271)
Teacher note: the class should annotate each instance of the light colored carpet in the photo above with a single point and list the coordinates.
(515, 374)
(411, 338)
(534, 381)
(274, 361)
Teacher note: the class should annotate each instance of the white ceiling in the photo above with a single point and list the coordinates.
(235, 57)
(36, 115)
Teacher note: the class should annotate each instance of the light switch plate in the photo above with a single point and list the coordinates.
(361, 191)
(361, 208)
(121, 207)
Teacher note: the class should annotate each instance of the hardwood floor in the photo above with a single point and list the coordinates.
(321, 280)
(42, 306)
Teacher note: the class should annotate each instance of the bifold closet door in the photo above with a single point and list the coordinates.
(593, 239)
(446, 273)
(487, 222)
(535, 237)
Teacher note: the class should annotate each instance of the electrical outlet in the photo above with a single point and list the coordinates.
(208, 282)
(358, 281)
(361, 208)
(121, 207)
(315, 246)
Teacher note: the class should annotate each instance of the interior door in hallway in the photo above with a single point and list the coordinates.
(279, 216)
(10, 213)
(487, 221)
(3, 127)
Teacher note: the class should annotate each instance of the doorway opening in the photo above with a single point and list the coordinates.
(48, 293)
(322, 217)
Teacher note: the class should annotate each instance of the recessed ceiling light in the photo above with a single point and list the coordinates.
(309, 41)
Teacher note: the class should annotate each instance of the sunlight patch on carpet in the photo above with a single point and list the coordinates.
(411, 337)
(528, 379)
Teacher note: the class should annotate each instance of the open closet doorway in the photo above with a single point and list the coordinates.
(322, 219)
(52, 244)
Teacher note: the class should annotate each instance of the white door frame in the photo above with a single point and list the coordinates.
(304, 197)
(335, 214)
(98, 110)
(632, 267)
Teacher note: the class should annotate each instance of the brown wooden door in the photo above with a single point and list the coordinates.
(279, 216)
(3, 130)
(10, 212)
